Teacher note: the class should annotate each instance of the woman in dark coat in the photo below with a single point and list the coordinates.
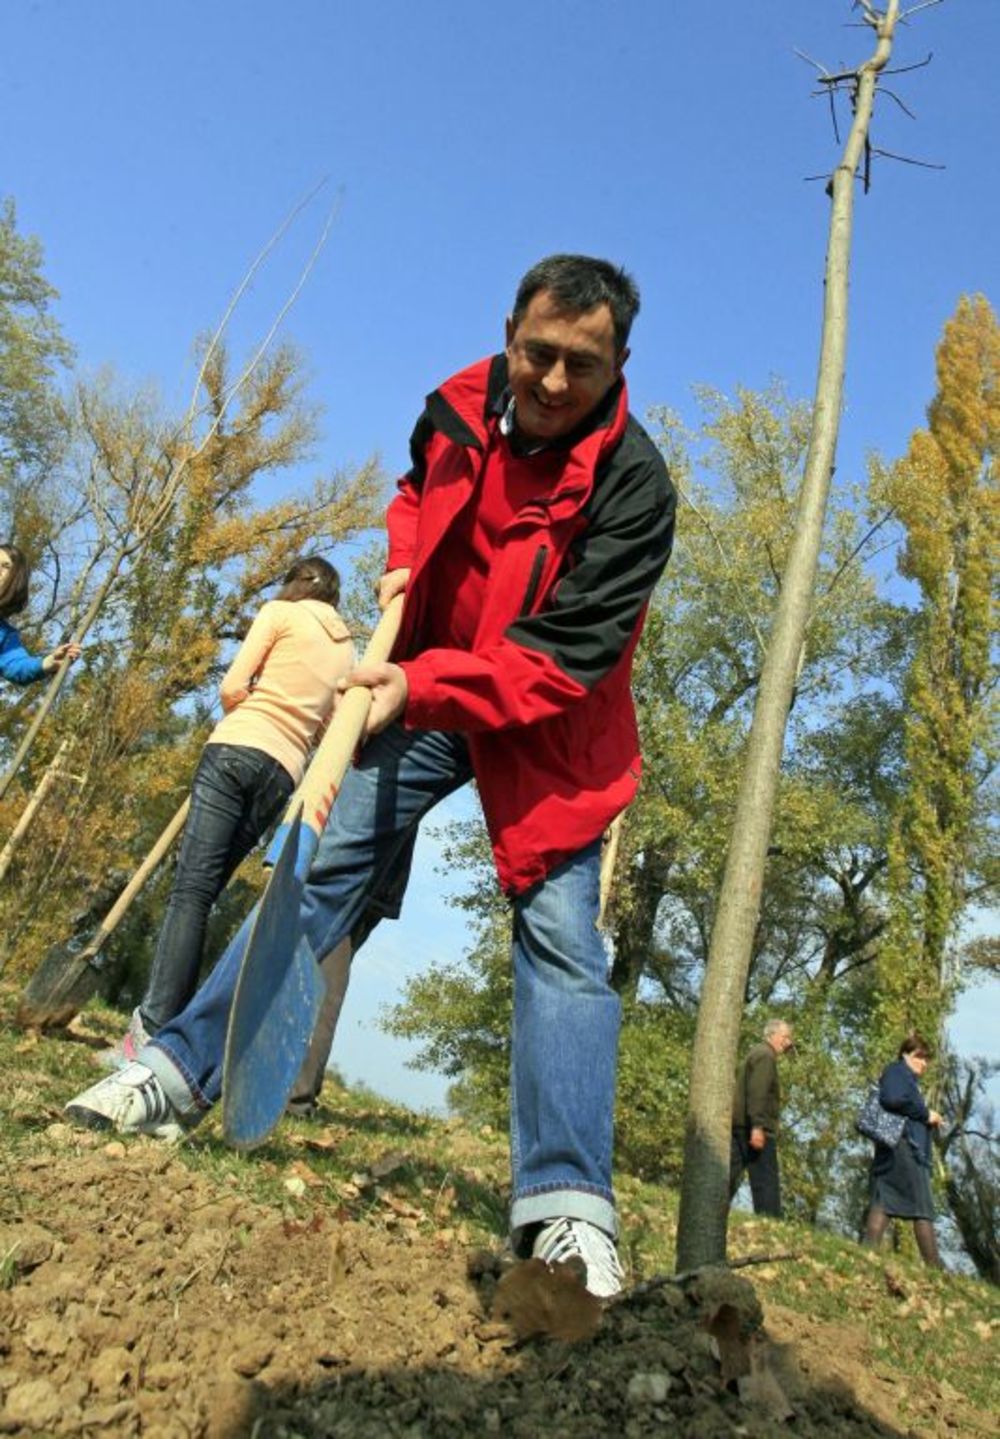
(901, 1177)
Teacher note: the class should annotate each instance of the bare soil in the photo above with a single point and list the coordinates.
(144, 1298)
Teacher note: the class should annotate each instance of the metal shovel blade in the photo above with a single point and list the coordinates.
(276, 1003)
(62, 984)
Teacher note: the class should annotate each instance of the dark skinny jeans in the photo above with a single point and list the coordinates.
(236, 795)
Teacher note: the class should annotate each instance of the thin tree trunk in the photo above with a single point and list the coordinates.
(634, 932)
(701, 1233)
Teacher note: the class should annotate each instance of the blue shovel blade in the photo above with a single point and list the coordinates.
(277, 999)
(299, 839)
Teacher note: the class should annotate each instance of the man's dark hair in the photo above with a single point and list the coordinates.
(579, 283)
(14, 588)
(311, 578)
(915, 1043)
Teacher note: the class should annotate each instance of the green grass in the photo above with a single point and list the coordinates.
(372, 1160)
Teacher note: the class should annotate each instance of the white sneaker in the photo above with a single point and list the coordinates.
(131, 1101)
(576, 1242)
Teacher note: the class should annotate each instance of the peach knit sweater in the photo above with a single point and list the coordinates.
(281, 688)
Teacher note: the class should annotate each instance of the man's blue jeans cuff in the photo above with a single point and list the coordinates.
(540, 1206)
(184, 1095)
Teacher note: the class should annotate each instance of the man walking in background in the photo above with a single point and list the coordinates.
(756, 1107)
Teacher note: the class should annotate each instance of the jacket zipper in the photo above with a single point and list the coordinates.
(534, 579)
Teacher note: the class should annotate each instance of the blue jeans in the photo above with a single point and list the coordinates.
(236, 794)
(566, 1015)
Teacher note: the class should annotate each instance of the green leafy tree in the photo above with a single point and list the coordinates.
(33, 356)
(941, 854)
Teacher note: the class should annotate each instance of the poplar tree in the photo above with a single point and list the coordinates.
(945, 494)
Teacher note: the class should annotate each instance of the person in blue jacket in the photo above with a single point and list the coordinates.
(16, 664)
(901, 1176)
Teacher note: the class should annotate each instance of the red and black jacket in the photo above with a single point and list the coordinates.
(544, 693)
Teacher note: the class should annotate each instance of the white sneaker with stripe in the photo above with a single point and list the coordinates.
(131, 1101)
(582, 1245)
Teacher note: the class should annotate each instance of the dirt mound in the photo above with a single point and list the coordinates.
(141, 1298)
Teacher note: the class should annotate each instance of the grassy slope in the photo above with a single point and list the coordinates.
(367, 1156)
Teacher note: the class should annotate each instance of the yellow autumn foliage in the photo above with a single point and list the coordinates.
(945, 493)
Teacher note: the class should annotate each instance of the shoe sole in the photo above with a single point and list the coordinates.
(170, 1130)
(166, 1133)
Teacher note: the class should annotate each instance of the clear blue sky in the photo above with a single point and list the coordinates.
(154, 147)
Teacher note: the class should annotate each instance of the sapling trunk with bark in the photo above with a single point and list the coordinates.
(701, 1234)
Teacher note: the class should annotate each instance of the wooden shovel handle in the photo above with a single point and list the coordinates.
(609, 854)
(322, 780)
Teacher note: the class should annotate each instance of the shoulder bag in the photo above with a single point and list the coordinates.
(876, 1122)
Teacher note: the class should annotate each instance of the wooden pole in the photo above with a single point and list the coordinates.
(34, 804)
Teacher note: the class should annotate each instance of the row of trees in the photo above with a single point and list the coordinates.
(884, 839)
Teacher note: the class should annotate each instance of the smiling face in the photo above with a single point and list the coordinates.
(561, 364)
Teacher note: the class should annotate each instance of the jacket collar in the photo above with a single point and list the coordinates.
(469, 404)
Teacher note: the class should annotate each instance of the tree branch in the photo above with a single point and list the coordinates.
(907, 160)
(238, 294)
(905, 69)
(839, 572)
(893, 96)
(924, 5)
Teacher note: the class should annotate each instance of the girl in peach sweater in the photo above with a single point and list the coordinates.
(277, 694)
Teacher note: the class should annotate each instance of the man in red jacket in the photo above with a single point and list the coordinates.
(528, 534)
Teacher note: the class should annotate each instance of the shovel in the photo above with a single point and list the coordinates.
(279, 990)
(70, 972)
